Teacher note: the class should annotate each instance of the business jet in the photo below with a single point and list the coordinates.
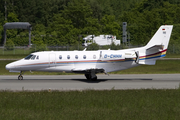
(90, 63)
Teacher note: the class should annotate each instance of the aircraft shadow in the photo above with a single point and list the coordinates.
(49, 80)
(104, 80)
(82, 80)
(89, 81)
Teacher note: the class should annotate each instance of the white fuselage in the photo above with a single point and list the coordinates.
(70, 61)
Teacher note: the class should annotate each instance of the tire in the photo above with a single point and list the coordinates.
(87, 76)
(20, 77)
(94, 79)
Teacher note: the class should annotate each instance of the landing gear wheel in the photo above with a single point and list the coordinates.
(20, 77)
(94, 79)
(89, 77)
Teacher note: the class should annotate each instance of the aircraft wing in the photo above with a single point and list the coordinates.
(88, 70)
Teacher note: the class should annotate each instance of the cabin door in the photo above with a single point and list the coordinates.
(52, 60)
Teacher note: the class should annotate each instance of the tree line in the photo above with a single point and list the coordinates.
(62, 22)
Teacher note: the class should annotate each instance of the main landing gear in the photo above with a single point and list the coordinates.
(91, 74)
(20, 77)
(91, 77)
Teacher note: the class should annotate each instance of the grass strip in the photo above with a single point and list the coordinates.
(89, 104)
(172, 56)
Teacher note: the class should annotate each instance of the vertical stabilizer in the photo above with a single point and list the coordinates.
(157, 46)
(161, 37)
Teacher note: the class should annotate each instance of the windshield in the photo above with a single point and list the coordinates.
(33, 57)
(28, 57)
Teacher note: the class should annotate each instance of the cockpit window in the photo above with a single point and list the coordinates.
(33, 57)
(37, 57)
(28, 57)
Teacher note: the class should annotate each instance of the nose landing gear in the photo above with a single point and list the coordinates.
(20, 77)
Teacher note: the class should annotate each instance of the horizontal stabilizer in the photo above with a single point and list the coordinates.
(155, 47)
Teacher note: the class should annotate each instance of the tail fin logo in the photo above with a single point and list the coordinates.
(164, 32)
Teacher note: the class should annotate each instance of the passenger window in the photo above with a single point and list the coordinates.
(76, 56)
(84, 56)
(60, 56)
(94, 56)
(68, 57)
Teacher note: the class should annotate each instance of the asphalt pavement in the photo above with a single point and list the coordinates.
(78, 82)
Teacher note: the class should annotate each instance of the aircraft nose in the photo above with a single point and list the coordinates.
(9, 66)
